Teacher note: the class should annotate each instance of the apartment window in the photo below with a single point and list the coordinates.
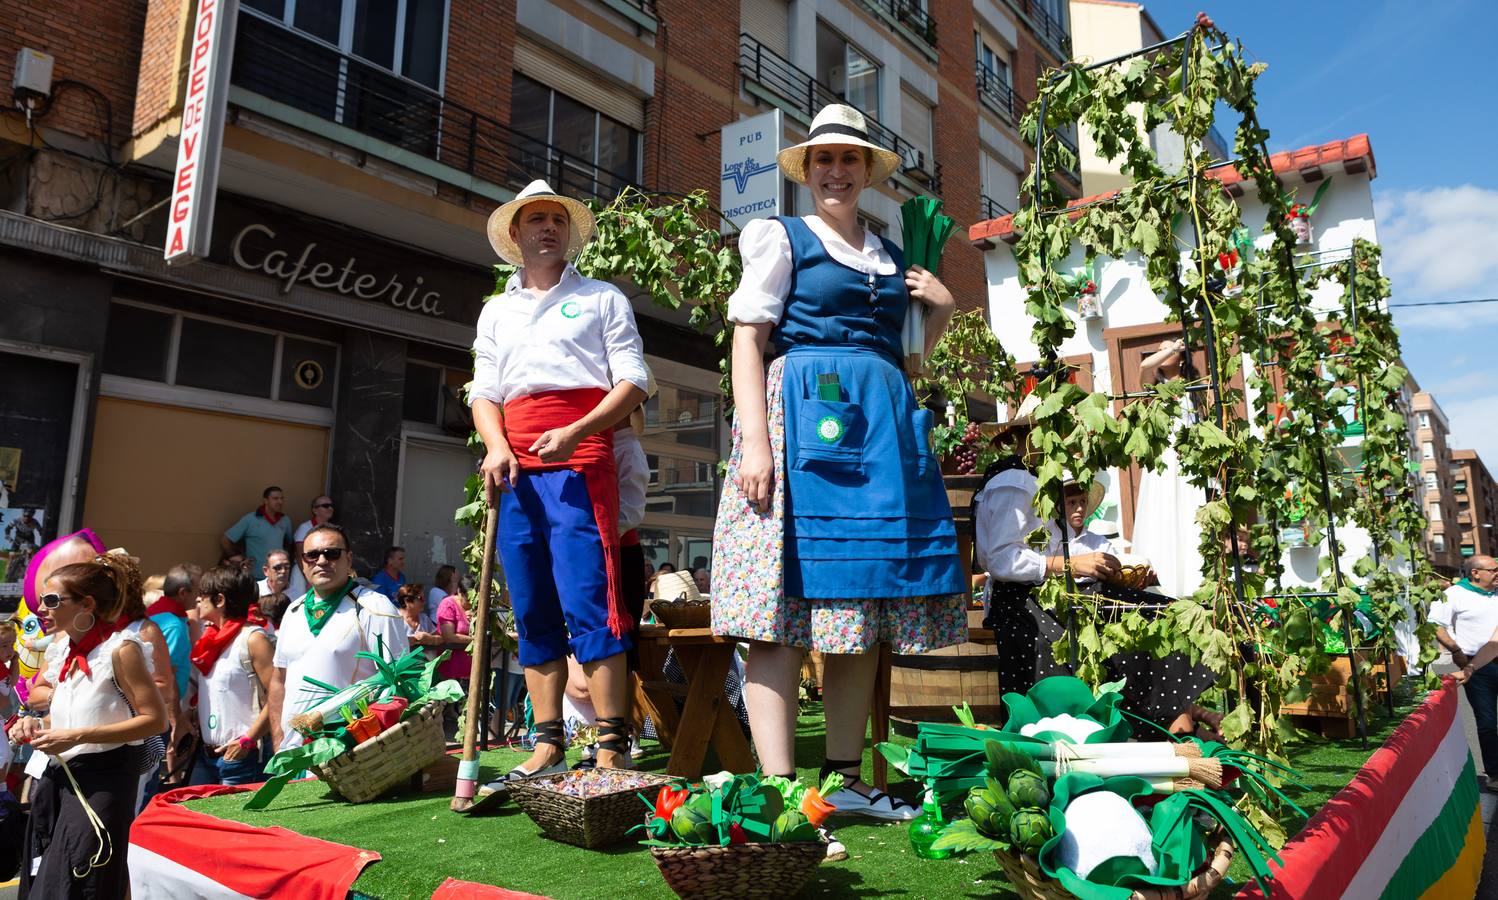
(369, 30)
(585, 149)
(1438, 543)
(850, 72)
(682, 443)
(1425, 420)
(1435, 512)
(1427, 450)
(915, 124)
(994, 60)
(150, 344)
(1430, 481)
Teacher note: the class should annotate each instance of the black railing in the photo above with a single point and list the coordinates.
(306, 74)
(992, 209)
(800, 91)
(1223, 144)
(1051, 29)
(1074, 171)
(995, 92)
(645, 6)
(909, 14)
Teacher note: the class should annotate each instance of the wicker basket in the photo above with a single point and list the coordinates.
(739, 870)
(584, 821)
(1032, 884)
(682, 613)
(375, 766)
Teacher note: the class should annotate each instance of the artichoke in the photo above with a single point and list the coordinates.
(1029, 829)
(1026, 789)
(692, 826)
(990, 811)
(792, 826)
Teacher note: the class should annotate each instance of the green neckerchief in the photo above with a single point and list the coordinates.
(319, 611)
(1474, 588)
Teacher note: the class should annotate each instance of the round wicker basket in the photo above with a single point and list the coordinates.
(595, 821)
(1031, 883)
(739, 870)
(682, 613)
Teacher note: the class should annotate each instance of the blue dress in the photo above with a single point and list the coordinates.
(866, 513)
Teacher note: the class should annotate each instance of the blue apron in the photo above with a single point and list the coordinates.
(866, 511)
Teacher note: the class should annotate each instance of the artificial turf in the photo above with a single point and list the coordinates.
(422, 843)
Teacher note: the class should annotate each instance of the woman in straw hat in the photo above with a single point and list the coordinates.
(558, 362)
(834, 532)
(1159, 690)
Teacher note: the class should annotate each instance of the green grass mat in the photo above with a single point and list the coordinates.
(422, 842)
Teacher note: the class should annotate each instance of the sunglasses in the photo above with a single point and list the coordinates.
(331, 554)
(52, 601)
(322, 506)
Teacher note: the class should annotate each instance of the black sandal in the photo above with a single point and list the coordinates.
(875, 804)
(552, 732)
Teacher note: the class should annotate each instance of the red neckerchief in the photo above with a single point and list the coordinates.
(525, 419)
(166, 604)
(79, 650)
(256, 617)
(266, 516)
(215, 639)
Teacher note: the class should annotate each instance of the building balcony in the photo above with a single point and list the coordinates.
(1074, 171)
(992, 209)
(301, 81)
(770, 77)
(996, 93)
(1051, 31)
(907, 19)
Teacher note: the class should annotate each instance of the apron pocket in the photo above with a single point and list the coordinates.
(921, 420)
(829, 437)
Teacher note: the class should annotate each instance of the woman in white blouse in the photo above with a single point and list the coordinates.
(104, 705)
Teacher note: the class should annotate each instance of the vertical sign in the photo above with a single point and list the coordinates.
(751, 179)
(205, 100)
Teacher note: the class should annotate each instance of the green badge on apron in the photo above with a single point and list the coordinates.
(830, 429)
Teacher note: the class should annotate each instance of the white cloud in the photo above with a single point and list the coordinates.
(1438, 245)
(1469, 383)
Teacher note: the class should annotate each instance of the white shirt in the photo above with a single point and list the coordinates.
(329, 656)
(1006, 517)
(766, 250)
(579, 334)
(298, 586)
(228, 696)
(634, 478)
(86, 701)
(1469, 617)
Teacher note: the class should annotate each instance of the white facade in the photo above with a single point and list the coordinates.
(1345, 213)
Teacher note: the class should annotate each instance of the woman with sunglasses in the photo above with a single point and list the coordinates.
(232, 665)
(104, 706)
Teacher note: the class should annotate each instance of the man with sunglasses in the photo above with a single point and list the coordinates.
(1468, 619)
(324, 630)
(322, 514)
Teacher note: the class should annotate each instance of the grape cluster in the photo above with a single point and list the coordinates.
(966, 454)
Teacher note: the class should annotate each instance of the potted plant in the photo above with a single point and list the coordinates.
(1299, 216)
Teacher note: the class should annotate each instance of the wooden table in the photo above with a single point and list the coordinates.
(706, 720)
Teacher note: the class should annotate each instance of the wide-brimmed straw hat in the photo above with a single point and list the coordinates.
(838, 124)
(579, 218)
(1023, 417)
(1095, 493)
(677, 585)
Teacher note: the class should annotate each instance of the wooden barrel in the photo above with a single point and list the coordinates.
(960, 492)
(925, 687)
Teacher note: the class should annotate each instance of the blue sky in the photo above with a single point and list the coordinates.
(1418, 78)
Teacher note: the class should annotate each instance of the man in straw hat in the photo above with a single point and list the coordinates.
(1161, 690)
(557, 364)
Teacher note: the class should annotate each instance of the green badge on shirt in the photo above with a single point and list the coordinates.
(830, 429)
(571, 310)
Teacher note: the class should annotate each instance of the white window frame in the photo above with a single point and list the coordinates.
(345, 43)
(82, 407)
(551, 123)
(1427, 450)
(1433, 512)
(1425, 420)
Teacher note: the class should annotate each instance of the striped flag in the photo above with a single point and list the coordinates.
(1408, 826)
(177, 853)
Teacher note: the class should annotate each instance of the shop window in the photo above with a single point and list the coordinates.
(309, 372)
(137, 342)
(220, 357)
(680, 415)
(422, 400)
(434, 396)
(682, 486)
(579, 148)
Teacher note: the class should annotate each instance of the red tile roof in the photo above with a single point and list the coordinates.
(1344, 151)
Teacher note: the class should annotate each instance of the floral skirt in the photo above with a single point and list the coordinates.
(748, 596)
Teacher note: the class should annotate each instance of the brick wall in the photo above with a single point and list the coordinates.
(700, 36)
(480, 69)
(956, 137)
(95, 42)
(162, 57)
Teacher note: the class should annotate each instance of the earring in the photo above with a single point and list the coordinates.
(92, 621)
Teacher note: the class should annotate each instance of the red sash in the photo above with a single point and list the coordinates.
(525, 419)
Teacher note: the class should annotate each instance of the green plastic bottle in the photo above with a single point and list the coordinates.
(925, 828)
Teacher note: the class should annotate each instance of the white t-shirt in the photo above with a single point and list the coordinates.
(634, 478)
(85, 701)
(227, 695)
(1468, 616)
(766, 251)
(329, 656)
(579, 334)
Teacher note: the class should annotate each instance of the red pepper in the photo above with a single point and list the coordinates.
(736, 834)
(1091, 288)
(667, 801)
(1228, 260)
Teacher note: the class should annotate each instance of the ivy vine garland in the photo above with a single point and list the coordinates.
(1188, 230)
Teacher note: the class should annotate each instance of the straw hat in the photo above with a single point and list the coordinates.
(843, 125)
(676, 585)
(1024, 416)
(579, 218)
(1095, 493)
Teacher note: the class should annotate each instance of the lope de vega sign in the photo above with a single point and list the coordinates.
(751, 181)
(205, 98)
